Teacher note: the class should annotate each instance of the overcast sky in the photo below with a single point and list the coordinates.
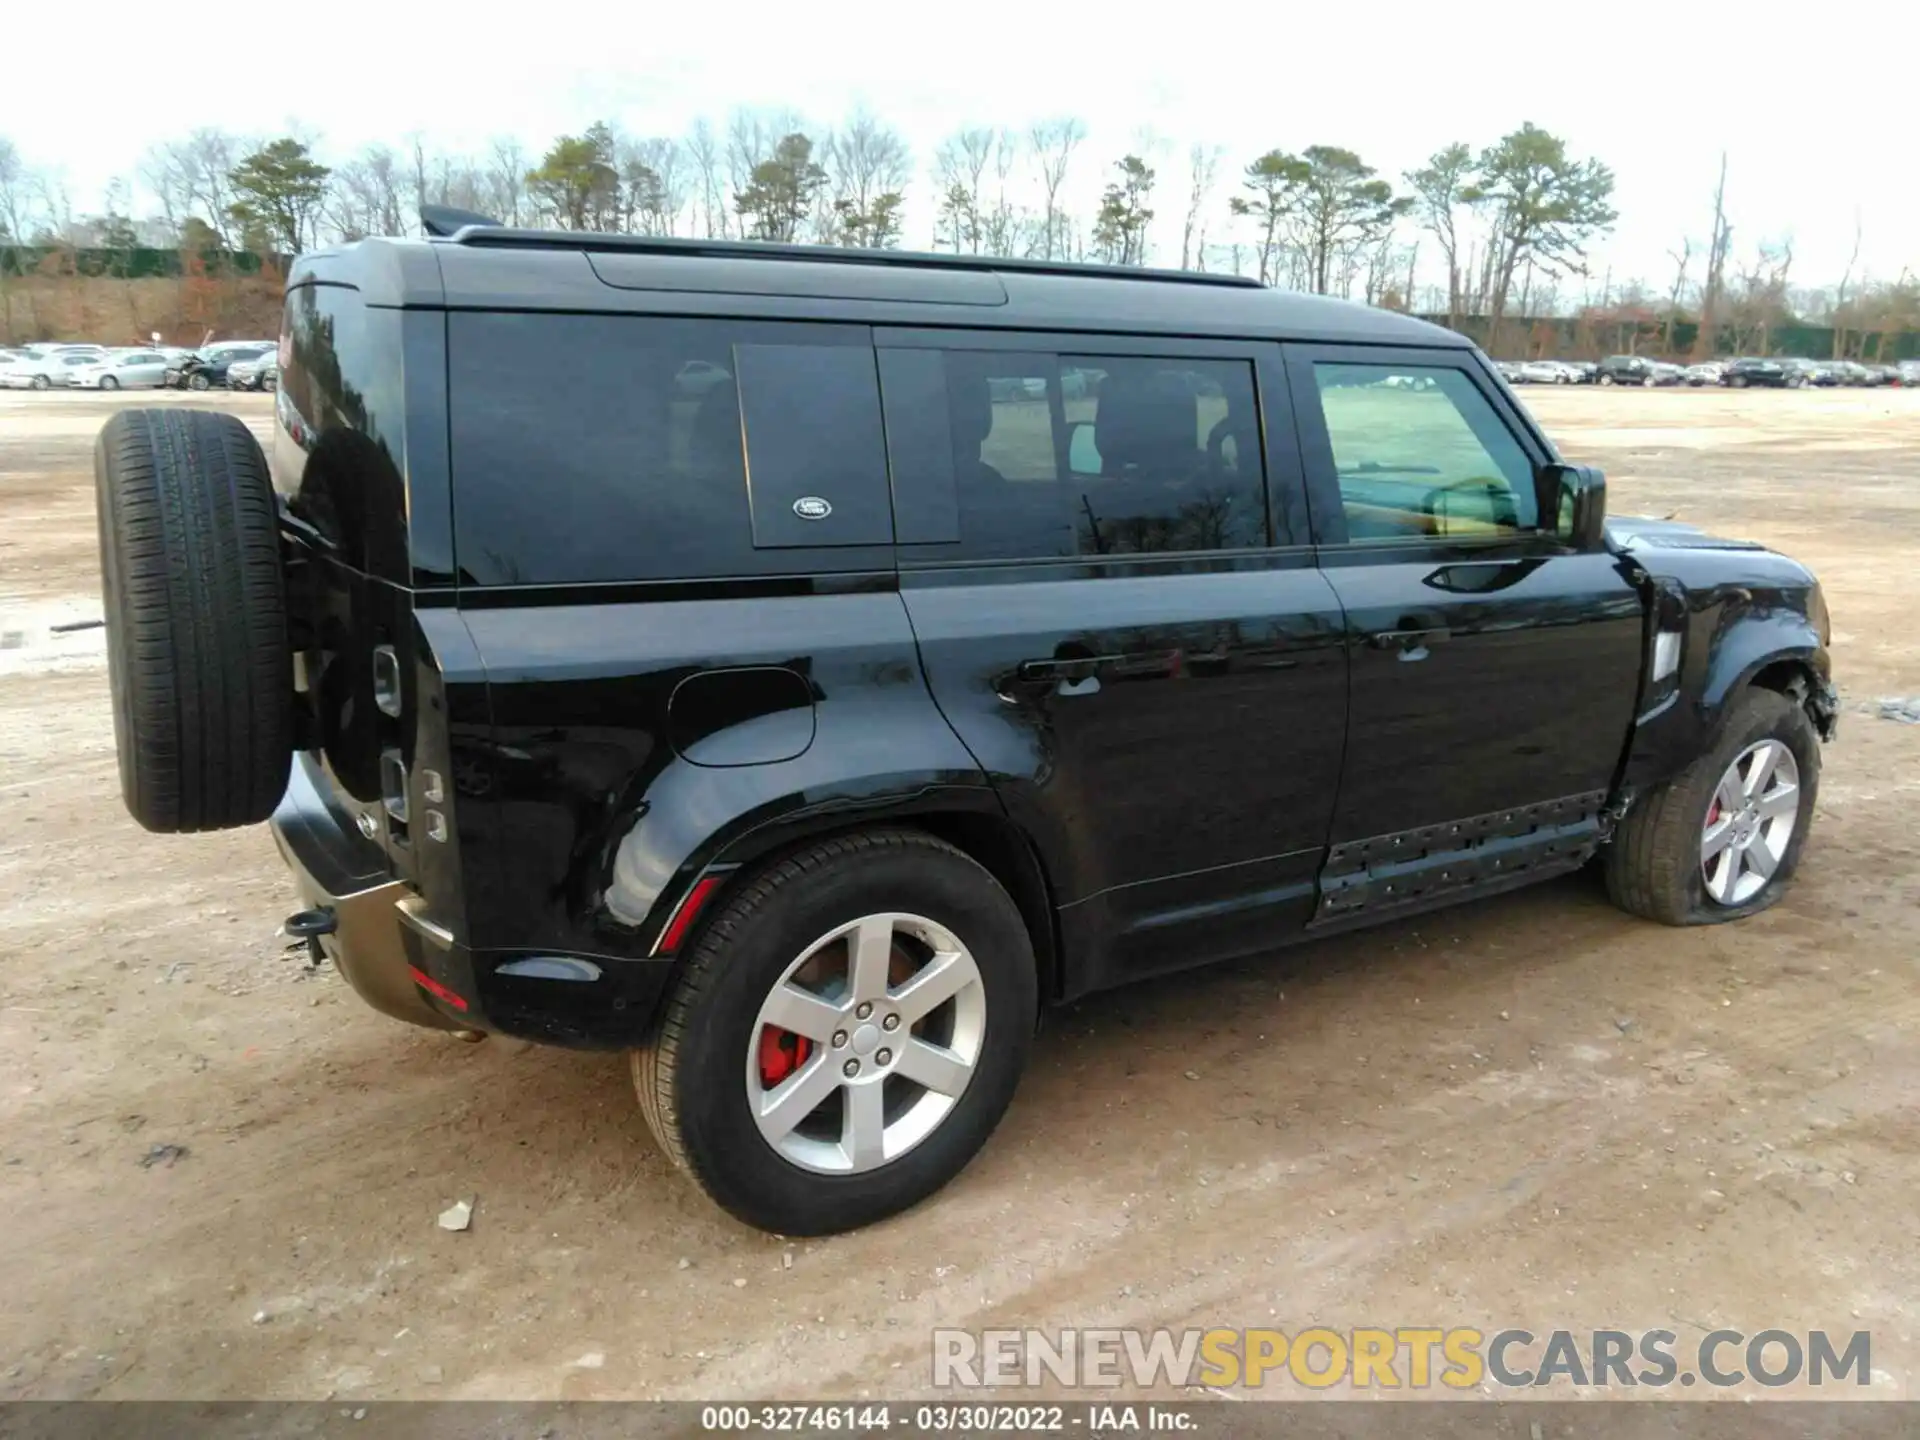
(1813, 104)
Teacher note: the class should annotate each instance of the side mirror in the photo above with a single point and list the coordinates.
(1576, 497)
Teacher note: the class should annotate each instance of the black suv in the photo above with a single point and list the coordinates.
(1627, 370)
(798, 667)
(1752, 370)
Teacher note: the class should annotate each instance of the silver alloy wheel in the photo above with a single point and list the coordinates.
(1750, 822)
(892, 1056)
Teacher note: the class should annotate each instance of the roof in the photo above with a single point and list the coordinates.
(491, 268)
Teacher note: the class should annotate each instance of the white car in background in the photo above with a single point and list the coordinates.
(49, 367)
(124, 370)
(1548, 372)
(1708, 372)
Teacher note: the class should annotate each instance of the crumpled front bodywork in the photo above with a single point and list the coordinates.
(1744, 614)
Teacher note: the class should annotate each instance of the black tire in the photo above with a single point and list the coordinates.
(690, 1073)
(1606, 379)
(1653, 861)
(41, 382)
(197, 650)
(1738, 382)
(198, 381)
(107, 382)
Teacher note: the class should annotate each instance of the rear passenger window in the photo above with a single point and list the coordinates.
(1420, 452)
(1063, 456)
(593, 448)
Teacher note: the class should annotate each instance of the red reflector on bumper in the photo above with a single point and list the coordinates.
(688, 912)
(434, 988)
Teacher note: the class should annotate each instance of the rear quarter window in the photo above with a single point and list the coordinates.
(613, 448)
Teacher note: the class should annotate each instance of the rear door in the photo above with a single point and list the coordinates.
(1494, 669)
(1143, 658)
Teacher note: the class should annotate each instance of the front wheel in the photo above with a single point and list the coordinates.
(40, 382)
(845, 1035)
(107, 382)
(1606, 379)
(197, 382)
(1722, 838)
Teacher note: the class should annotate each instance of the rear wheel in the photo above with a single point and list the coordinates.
(197, 651)
(1722, 839)
(40, 382)
(107, 382)
(845, 1035)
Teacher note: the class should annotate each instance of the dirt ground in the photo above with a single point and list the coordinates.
(1534, 1111)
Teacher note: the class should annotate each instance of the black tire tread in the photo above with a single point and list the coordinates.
(196, 618)
(654, 1061)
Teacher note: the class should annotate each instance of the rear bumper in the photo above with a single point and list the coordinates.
(404, 964)
(338, 871)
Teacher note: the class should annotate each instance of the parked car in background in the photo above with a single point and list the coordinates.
(259, 374)
(207, 368)
(1752, 370)
(47, 372)
(1908, 372)
(1511, 371)
(1708, 372)
(122, 370)
(1626, 370)
(1849, 372)
(1882, 375)
(1666, 372)
(1548, 372)
(41, 367)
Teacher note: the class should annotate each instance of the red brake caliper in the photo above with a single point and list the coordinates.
(781, 1053)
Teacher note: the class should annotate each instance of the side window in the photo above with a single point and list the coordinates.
(1420, 452)
(1064, 456)
(597, 448)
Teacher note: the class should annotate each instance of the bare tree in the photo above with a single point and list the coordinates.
(1053, 144)
(18, 187)
(960, 164)
(1706, 338)
(1840, 297)
(1203, 162)
(206, 159)
(867, 165)
(1681, 259)
(653, 184)
(703, 149)
(165, 182)
(507, 182)
(1437, 188)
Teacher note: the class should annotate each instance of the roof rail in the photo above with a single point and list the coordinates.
(507, 238)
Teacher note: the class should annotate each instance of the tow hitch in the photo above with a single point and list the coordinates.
(310, 925)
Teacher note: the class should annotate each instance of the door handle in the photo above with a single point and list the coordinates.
(1405, 640)
(1067, 677)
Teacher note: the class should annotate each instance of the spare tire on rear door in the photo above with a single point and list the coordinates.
(196, 609)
